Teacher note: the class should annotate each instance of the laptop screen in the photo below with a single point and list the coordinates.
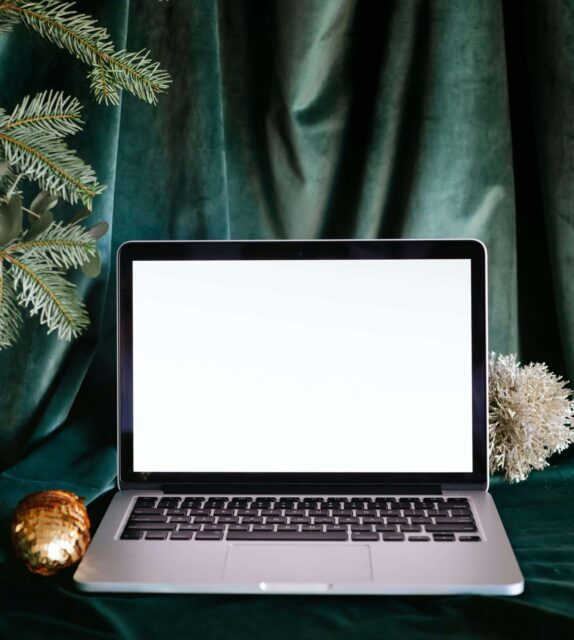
(343, 366)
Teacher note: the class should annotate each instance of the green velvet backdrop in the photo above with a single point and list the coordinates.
(310, 119)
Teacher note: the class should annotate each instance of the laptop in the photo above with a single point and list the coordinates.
(302, 417)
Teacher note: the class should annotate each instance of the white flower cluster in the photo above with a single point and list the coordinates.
(531, 416)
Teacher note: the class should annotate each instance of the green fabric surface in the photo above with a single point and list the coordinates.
(309, 119)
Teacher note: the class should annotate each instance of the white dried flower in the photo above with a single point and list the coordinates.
(530, 416)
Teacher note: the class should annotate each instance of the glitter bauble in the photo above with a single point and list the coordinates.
(50, 530)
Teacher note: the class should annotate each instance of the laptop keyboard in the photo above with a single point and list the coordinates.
(379, 519)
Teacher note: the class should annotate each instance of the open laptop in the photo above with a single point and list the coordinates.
(302, 417)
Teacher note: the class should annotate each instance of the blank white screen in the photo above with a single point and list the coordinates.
(302, 366)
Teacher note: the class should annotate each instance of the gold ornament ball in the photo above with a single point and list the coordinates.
(50, 530)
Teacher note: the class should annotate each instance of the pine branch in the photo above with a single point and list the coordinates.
(8, 18)
(44, 158)
(49, 111)
(60, 24)
(80, 34)
(10, 316)
(64, 246)
(133, 71)
(44, 291)
(103, 86)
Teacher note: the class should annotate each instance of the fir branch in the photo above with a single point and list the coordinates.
(45, 291)
(8, 18)
(103, 86)
(80, 34)
(65, 246)
(60, 24)
(45, 158)
(135, 72)
(49, 111)
(10, 316)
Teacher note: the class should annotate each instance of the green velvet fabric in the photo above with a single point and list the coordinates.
(309, 119)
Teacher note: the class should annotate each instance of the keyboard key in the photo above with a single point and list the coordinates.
(345, 520)
(443, 537)
(469, 538)
(457, 500)
(176, 512)
(299, 520)
(189, 527)
(287, 527)
(413, 512)
(252, 520)
(410, 528)
(460, 512)
(393, 537)
(436, 528)
(238, 527)
(364, 537)
(287, 535)
(363, 528)
(310, 527)
(181, 535)
(204, 519)
(262, 527)
(156, 535)
(148, 518)
(323, 520)
(461, 520)
(276, 520)
(394, 520)
(213, 527)
(386, 528)
(336, 529)
(373, 520)
(148, 512)
(419, 538)
(132, 534)
(151, 526)
(180, 519)
(227, 520)
(169, 503)
(425, 520)
(211, 535)
(145, 501)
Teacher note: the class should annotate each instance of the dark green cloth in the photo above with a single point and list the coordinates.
(304, 119)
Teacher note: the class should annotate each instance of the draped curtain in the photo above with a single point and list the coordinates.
(305, 119)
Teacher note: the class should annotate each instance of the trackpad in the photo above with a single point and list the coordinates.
(289, 563)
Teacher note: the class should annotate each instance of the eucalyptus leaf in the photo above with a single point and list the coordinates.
(43, 201)
(10, 219)
(98, 230)
(93, 267)
(81, 215)
(37, 225)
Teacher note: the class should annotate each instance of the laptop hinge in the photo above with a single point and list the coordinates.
(319, 489)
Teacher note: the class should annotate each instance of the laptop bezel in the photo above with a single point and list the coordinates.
(470, 249)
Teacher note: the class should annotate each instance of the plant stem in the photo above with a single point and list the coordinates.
(29, 211)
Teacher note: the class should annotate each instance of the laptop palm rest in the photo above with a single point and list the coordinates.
(284, 564)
